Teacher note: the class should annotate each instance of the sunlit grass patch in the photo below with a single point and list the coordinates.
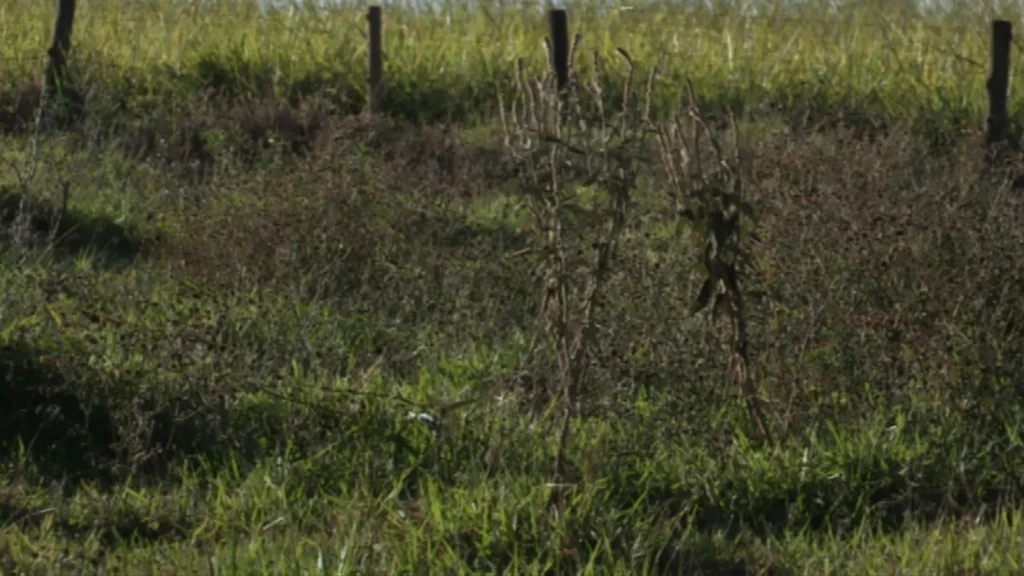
(449, 63)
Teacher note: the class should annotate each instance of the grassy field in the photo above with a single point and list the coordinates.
(870, 59)
(225, 297)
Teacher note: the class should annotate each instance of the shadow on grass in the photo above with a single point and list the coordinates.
(496, 239)
(75, 428)
(707, 560)
(70, 424)
(125, 524)
(75, 233)
(45, 420)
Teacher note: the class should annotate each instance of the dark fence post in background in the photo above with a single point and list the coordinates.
(999, 82)
(376, 59)
(560, 46)
(57, 57)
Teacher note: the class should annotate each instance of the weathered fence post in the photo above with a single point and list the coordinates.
(999, 82)
(57, 57)
(560, 46)
(376, 58)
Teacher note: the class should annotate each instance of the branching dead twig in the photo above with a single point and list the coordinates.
(579, 171)
(579, 166)
(711, 198)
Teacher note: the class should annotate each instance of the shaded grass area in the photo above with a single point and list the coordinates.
(72, 233)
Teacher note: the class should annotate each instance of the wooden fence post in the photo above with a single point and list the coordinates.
(376, 59)
(57, 55)
(999, 82)
(560, 46)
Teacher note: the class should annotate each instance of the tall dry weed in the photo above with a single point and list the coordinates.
(580, 168)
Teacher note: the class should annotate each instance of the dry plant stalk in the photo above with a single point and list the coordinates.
(568, 147)
(711, 198)
(578, 169)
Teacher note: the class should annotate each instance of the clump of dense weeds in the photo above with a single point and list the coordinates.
(911, 265)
